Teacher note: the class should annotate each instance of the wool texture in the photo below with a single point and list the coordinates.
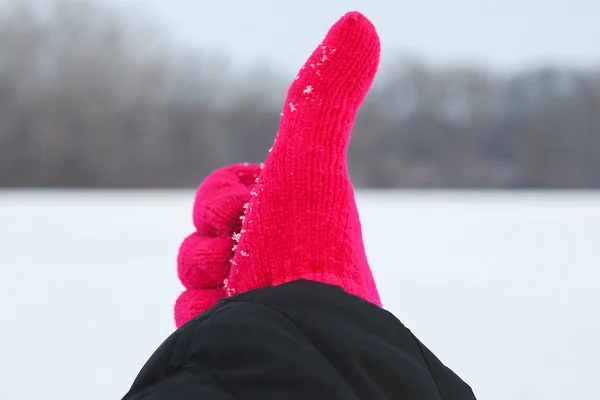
(302, 220)
(205, 256)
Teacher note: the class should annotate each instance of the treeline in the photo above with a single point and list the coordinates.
(85, 101)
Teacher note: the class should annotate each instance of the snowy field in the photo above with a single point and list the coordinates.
(504, 288)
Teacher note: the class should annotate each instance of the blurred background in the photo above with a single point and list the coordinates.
(155, 94)
(113, 111)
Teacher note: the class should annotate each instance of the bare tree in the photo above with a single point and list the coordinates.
(86, 101)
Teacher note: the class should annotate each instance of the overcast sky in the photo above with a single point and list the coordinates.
(504, 34)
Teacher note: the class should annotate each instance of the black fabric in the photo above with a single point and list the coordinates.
(302, 340)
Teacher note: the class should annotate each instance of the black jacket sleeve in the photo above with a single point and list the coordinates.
(301, 340)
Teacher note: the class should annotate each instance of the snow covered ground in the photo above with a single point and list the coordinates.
(504, 288)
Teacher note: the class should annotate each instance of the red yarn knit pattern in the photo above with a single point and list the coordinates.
(205, 256)
(302, 220)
